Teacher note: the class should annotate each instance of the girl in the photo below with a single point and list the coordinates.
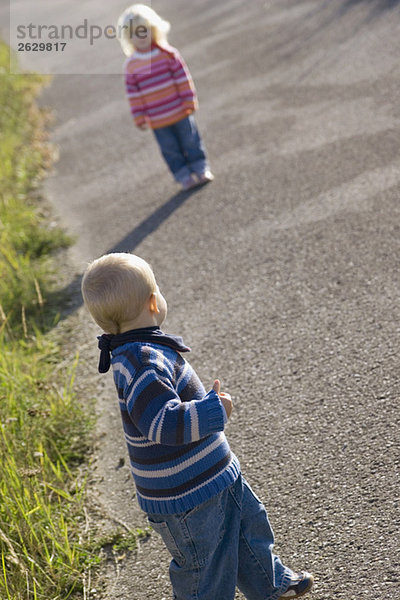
(161, 94)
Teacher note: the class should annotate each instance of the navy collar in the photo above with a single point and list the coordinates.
(109, 342)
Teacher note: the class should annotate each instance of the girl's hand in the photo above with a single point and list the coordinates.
(225, 398)
(143, 126)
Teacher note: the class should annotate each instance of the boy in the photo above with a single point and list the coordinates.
(187, 480)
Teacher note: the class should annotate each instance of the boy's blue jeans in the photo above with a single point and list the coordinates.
(222, 543)
(182, 148)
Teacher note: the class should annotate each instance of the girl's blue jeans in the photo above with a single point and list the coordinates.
(182, 148)
(220, 544)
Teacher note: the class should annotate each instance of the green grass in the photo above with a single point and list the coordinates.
(42, 442)
(44, 430)
(26, 241)
(120, 541)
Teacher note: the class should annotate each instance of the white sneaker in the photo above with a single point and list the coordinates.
(205, 177)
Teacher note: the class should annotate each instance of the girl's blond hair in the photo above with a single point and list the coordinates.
(135, 16)
(115, 288)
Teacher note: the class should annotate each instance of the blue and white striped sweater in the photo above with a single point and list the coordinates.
(174, 431)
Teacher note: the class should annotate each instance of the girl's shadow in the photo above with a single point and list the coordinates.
(70, 299)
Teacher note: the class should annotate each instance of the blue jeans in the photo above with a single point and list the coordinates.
(220, 544)
(182, 148)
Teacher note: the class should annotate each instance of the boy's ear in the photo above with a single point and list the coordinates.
(153, 303)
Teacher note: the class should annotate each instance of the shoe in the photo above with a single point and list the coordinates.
(189, 183)
(205, 177)
(299, 586)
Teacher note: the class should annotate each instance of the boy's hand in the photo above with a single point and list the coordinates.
(143, 126)
(225, 398)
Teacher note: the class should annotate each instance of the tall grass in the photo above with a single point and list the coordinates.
(42, 433)
(43, 429)
(25, 238)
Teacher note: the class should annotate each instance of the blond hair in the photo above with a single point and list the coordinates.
(140, 15)
(115, 288)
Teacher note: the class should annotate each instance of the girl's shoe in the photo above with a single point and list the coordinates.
(299, 586)
(189, 183)
(205, 177)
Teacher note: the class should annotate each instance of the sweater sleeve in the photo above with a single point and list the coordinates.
(135, 100)
(183, 81)
(160, 415)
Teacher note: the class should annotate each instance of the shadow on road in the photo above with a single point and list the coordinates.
(377, 6)
(324, 15)
(70, 296)
(153, 222)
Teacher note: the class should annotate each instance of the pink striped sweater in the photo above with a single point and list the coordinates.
(159, 87)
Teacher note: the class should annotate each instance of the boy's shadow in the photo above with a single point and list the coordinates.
(70, 296)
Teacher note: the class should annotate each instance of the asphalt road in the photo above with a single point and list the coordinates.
(282, 275)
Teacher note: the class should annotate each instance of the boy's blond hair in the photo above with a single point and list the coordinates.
(115, 288)
(140, 15)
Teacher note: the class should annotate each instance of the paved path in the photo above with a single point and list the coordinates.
(283, 275)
